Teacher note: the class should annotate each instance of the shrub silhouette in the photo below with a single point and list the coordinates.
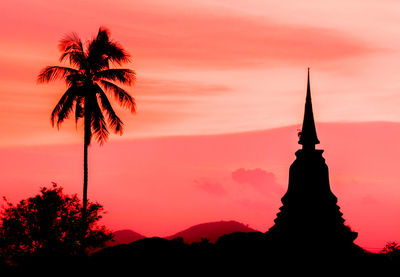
(48, 225)
(392, 251)
(391, 248)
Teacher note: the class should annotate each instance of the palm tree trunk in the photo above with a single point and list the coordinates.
(85, 187)
(87, 136)
(85, 181)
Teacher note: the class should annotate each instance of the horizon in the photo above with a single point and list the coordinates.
(220, 90)
(252, 197)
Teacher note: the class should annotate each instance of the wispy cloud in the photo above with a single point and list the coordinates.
(171, 87)
(207, 39)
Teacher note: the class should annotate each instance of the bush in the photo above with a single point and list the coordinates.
(48, 225)
(391, 249)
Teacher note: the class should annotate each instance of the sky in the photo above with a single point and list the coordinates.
(208, 73)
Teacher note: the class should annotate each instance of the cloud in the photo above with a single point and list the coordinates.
(211, 187)
(166, 35)
(168, 87)
(203, 38)
(257, 178)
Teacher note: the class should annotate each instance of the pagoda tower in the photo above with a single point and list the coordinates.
(310, 216)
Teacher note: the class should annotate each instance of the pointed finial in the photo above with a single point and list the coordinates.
(308, 136)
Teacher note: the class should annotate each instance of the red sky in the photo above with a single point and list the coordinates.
(206, 68)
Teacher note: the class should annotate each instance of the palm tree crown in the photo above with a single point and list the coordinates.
(88, 78)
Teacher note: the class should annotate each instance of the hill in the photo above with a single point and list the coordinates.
(125, 237)
(211, 230)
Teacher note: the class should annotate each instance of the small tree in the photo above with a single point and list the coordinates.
(391, 249)
(48, 224)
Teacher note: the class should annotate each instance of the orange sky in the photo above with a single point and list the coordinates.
(204, 68)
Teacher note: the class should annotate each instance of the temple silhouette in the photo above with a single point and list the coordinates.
(310, 217)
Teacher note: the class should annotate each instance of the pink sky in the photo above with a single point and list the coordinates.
(206, 68)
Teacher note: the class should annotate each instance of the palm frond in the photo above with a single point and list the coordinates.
(102, 51)
(98, 123)
(75, 79)
(96, 54)
(113, 120)
(123, 97)
(65, 110)
(79, 108)
(71, 40)
(122, 75)
(72, 49)
(117, 54)
(64, 106)
(51, 73)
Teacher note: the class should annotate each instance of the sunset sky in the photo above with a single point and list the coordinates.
(220, 95)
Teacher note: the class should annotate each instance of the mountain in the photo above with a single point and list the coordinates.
(125, 237)
(212, 231)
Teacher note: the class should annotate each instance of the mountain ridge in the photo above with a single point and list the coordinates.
(208, 230)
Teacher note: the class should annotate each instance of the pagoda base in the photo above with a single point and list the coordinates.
(310, 217)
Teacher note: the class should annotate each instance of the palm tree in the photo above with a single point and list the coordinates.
(94, 68)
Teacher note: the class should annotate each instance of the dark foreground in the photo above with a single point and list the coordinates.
(248, 254)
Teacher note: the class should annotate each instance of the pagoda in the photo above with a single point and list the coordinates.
(310, 217)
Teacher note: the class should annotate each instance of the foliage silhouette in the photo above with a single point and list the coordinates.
(250, 254)
(48, 225)
(92, 72)
(392, 250)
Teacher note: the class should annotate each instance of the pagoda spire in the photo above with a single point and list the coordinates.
(308, 136)
(310, 218)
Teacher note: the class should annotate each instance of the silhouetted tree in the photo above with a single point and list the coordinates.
(48, 225)
(391, 249)
(92, 72)
(205, 241)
